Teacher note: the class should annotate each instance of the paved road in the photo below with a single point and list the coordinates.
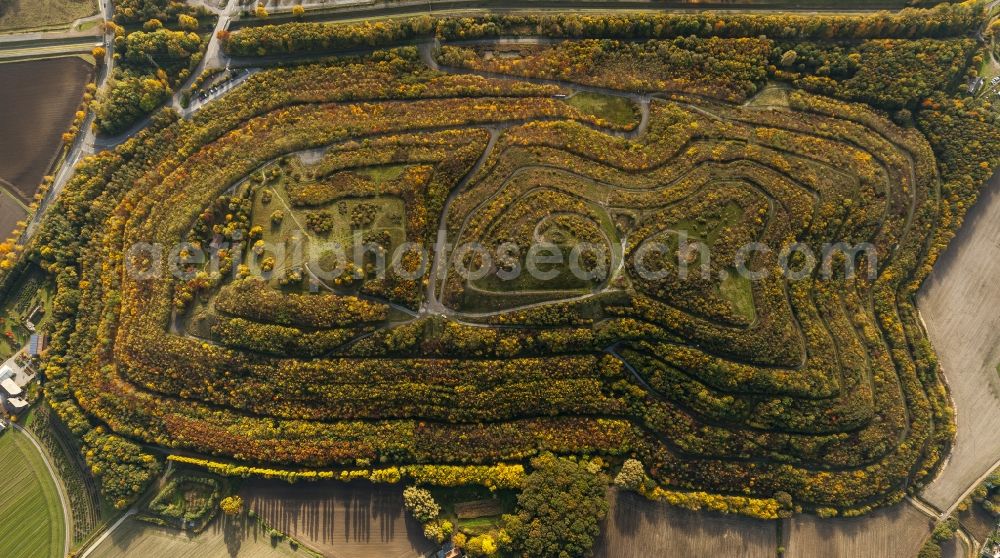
(44, 49)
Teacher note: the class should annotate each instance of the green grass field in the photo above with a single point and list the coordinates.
(616, 110)
(736, 289)
(383, 173)
(31, 14)
(31, 519)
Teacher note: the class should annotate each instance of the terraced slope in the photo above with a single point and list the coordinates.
(815, 386)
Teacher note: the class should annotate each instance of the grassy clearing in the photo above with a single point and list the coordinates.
(31, 519)
(243, 538)
(617, 110)
(88, 25)
(382, 173)
(30, 14)
(737, 290)
(293, 228)
(708, 228)
(452, 499)
(770, 96)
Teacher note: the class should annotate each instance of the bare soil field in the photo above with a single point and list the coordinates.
(29, 14)
(896, 532)
(11, 211)
(341, 520)
(977, 523)
(958, 303)
(637, 527)
(224, 537)
(953, 549)
(34, 115)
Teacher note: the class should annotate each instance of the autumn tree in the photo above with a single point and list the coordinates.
(188, 23)
(631, 476)
(788, 58)
(231, 505)
(420, 502)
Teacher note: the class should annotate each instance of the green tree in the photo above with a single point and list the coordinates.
(632, 476)
(559, 511)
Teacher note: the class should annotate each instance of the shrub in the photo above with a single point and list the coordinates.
(632, 476)
(420, 503)
(231, 505)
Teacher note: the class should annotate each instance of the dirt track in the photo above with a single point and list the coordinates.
(959, 304)
(341, 520)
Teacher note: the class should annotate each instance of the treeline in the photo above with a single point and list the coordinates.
(728, 69)
(495, 477)
(253, 299)
(138, 11)
(297, 38)
(946, 20)
(885, 73)
(941, 21)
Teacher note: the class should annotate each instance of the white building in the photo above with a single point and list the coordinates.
(17, 404)
(10, 387)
